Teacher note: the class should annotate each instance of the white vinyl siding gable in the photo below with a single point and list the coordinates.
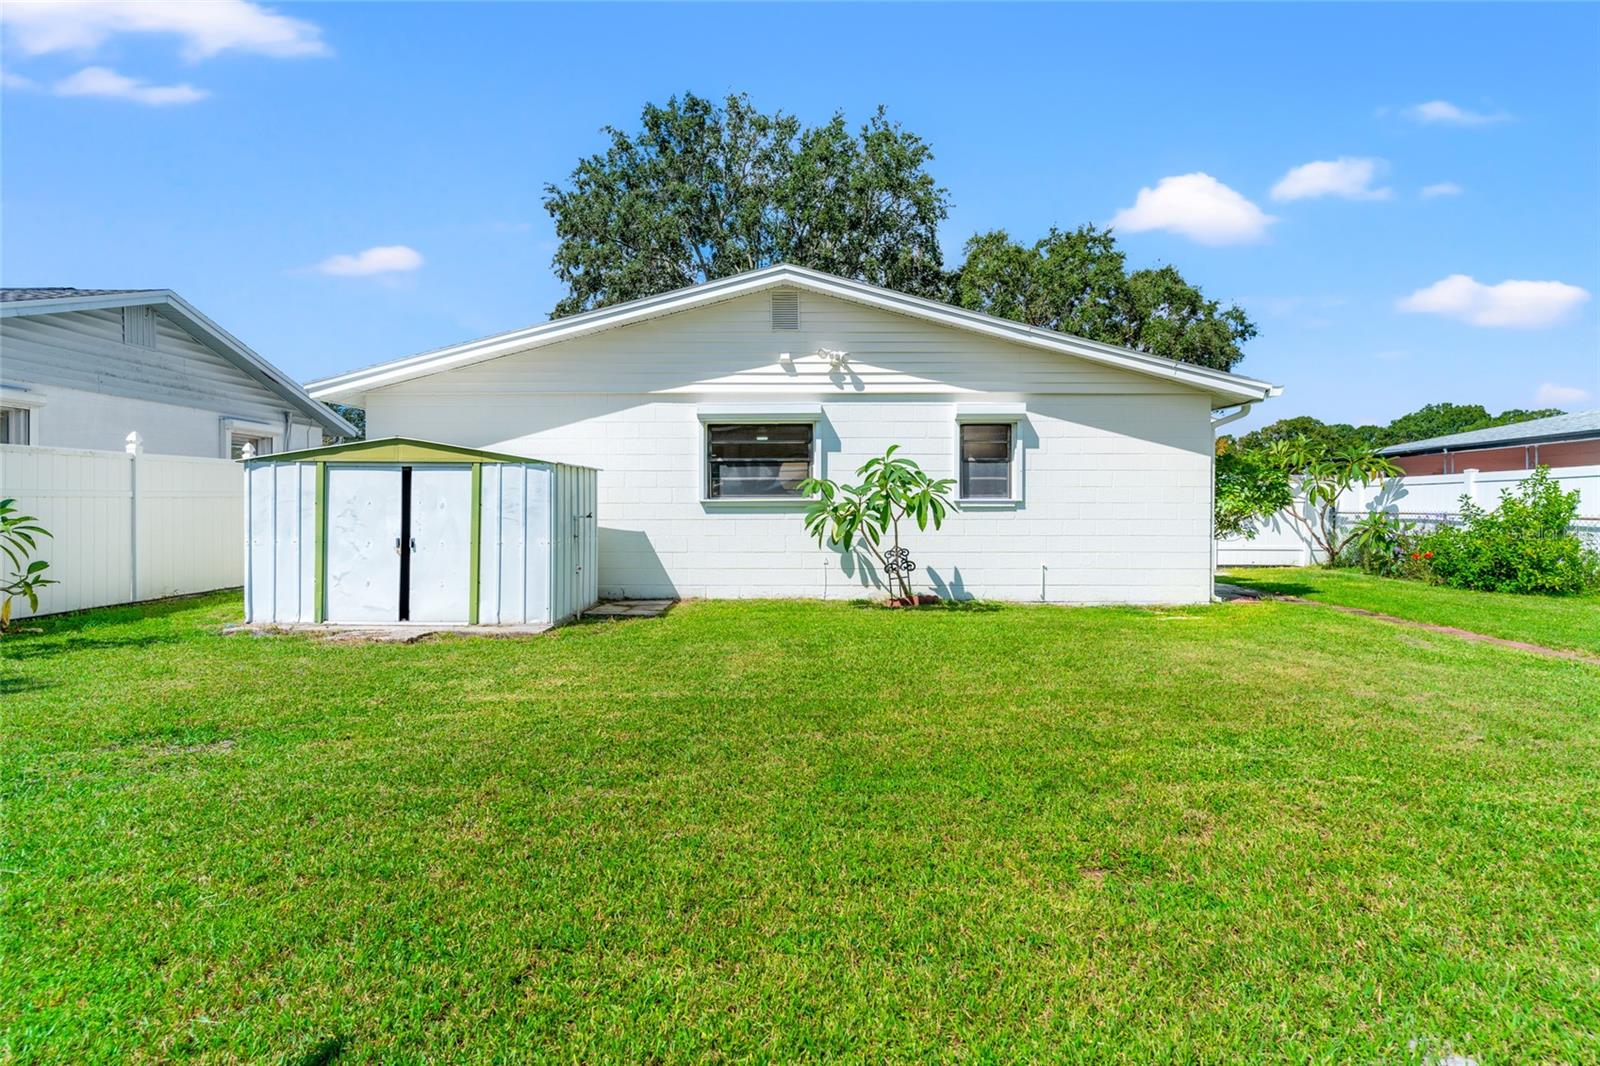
(730, 349)
(99, 386)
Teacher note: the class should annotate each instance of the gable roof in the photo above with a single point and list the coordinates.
(1557, 427)
(19, 302)
(1224, 387)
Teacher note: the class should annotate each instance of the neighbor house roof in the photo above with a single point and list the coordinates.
(49, 301)
(18, 295)
(1556, 427)
(1225, 388)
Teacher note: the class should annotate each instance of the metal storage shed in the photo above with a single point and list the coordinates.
(400, 530)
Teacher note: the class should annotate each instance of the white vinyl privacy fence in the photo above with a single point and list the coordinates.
(127, 526)
(1425, 500)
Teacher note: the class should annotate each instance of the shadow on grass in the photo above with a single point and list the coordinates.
(954, 606)
(16, 686)
(322, 1052)
(72, 645)
(1273, 588)
(121, 614)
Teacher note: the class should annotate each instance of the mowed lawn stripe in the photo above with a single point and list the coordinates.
(1571, 622)
(781, 830)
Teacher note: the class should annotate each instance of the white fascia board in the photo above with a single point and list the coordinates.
(991, 412)
(1228, 388)
(241, 355)
(759, 412)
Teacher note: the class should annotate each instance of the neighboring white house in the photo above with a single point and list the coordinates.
(82, 368)
(1084, 469)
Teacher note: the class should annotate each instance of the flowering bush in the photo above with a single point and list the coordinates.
(1418, 566)
(1525, 544)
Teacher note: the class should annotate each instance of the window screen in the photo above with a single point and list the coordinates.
(986, 461)
(14, 425)
(758, 460)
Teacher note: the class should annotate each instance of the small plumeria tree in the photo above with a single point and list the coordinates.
(891, 489)
(1322, 474)
(19, 539)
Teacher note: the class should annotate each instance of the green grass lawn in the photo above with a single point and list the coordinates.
(1554, 621)
(798, 830)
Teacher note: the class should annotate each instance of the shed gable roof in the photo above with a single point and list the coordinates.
(391, 450)
(1225, 388)
(21, 302)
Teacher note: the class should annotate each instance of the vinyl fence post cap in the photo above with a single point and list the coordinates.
(135, 444)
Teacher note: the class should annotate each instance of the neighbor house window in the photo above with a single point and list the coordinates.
(16, 425)
(986, 460)
(237, 442)
(760, 460)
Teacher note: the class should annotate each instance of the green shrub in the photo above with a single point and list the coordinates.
(1250, 487)
(1525, 544)
(1380, 544)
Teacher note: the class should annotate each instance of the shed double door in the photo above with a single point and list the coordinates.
(399, 543)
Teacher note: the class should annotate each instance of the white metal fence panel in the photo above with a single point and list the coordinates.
(127, 526)
(1426, 500)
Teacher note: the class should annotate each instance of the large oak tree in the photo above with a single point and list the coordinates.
(1077, 282)
(702, 191)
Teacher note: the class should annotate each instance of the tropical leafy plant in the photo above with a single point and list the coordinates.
(1250, 487)
(1525, 544)
(891, 489)
(1322, 474)
(19, 535)
(1380, 544)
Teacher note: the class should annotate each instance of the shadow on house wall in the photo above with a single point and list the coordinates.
(630, 567)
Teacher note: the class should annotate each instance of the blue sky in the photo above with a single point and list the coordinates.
(236, 157)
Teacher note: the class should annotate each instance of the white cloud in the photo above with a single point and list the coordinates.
(36, 27)
(16, 81)
(1552, 395)
(1198, 206)
(384, 259)
(107, 83)
(1443, 188)
(1346, 177)
(1444, 113)
(1517, 304)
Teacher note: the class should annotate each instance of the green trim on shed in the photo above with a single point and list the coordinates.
(391, 450)
(319, 580)
(477, 543)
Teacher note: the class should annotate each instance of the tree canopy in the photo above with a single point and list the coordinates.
(703, 191)
(1077, 282)
(1431, 420)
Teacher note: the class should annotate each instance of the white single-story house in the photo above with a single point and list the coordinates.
(1084, 469)
(83, 368)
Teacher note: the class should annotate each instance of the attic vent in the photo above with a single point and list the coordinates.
(785, 310)
(139, 326)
